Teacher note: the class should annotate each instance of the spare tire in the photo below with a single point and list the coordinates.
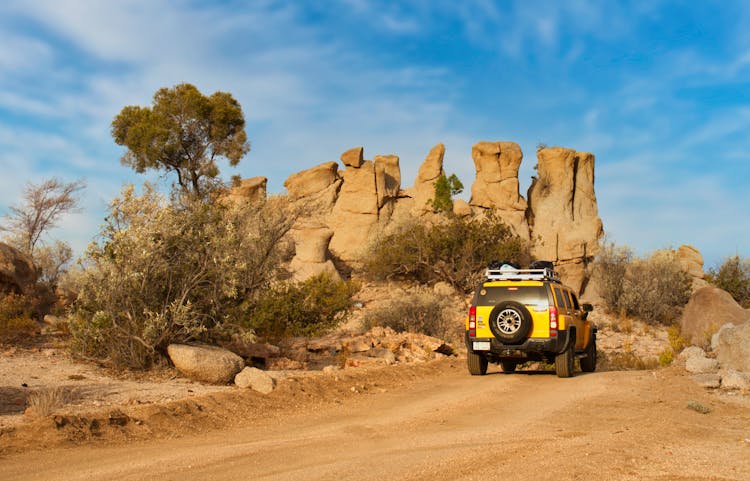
(510, 322)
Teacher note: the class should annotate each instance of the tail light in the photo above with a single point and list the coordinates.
(553, 321)
(473, 321)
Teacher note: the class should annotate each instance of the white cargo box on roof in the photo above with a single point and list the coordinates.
(511, 274)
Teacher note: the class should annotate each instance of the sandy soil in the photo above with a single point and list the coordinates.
(430, 421)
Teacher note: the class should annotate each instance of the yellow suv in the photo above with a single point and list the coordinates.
(520, 315)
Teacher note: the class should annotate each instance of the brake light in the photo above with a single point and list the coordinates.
(553, 321)
(473, 321)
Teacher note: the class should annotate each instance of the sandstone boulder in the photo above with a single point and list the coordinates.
(496, 185)
(708, 309)
(701, 365)
(431, 169)
(563, 215)
(353, 157)
(17, 270)
(387, 178)
(255, 379)
(205, 363)
(461, 208)
(248, 190)
(731, 379)
(733, 351)
(691, 261)
(312, 181)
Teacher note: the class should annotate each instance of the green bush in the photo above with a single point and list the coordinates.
(165, 271)
(309, 308)
(653, 289)
(422, 312)
(453, 250)
(734, 277)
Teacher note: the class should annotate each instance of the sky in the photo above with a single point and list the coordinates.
(659, 91)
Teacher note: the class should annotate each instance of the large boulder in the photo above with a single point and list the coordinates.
(17, 270)
(430, 171)
(496, 185)
(387, 178)
(563, 215)
(208, 364)
(733, 350)
(312, 181)
(708, 309)
(311, 256)
(353, 157)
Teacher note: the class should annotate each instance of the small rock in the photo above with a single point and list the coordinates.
(330, 369)
(709, 381)
(359, 344)
(205, 363)
(715, 337)
(701, 365)
(382, 353)
(731, 379)
(255, 379)
(690, 352)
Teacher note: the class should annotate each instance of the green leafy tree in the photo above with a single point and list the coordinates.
(445, 189)
(185, 132)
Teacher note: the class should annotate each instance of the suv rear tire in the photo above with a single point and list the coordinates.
(477, 364)
(564, 361)
(588, 362)
(510, 322)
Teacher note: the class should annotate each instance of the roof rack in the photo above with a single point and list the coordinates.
(522, 275)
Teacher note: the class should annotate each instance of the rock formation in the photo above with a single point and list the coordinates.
(496, 185)
(17, 270)
(345, 208)
(248, 190)
(691, 262)
(205, 363)
(562, 215)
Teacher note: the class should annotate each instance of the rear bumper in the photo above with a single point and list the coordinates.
(554, 345)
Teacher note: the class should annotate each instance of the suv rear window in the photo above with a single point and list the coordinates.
(528, 295)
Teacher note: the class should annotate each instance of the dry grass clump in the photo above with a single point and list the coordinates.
(16, 323)
(625, 360)
(43, 402)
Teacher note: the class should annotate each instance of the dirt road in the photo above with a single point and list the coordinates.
(447, 425)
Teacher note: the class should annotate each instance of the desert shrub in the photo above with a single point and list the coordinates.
(625, 360)
(16, 322)
(653, 289)
(666, 357)
(308, 308)
(43, 402)
(610, 267)
(454, 250)
(734, 277)
(164, 271)
(421, 311)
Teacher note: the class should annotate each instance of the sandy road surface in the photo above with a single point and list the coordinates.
(449, 426)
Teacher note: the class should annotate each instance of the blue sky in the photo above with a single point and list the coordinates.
(659, 91)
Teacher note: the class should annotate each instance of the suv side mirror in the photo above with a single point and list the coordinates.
(587, 307)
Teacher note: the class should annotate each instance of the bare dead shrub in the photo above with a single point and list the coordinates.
(734, 277)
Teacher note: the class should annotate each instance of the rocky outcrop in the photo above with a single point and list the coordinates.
(430, 171)
(563, 216)
(691, 261)
(708, 309)
(496, 185)
(362, 200)
(17, 270)
(208, 364)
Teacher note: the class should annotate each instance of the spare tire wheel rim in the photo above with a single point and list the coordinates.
(508, 321)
